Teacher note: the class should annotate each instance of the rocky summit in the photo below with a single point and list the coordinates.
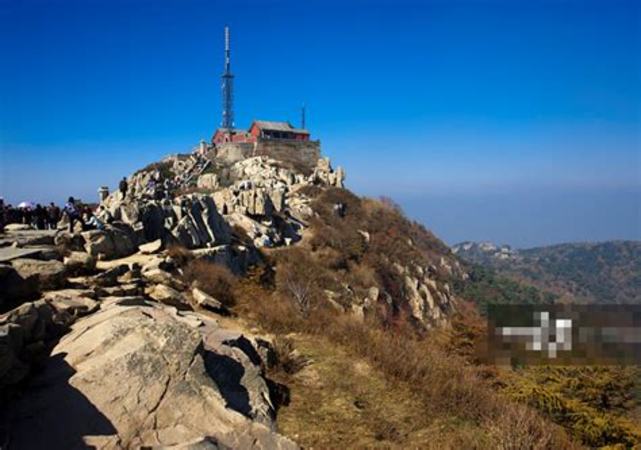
(108, 339)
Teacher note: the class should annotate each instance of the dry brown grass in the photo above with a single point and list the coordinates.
(456, 399)
(214, 279)
(445, 385)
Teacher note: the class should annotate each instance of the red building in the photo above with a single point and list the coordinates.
(223, 135)
(277, 130)
(261, 130)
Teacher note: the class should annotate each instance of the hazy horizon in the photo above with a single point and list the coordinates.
(485, 120)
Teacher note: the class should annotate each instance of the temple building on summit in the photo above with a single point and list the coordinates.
(260, 130)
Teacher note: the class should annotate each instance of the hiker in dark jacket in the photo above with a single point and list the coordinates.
(123, 186)
(53, 216)
(40, 216)
(3, 215)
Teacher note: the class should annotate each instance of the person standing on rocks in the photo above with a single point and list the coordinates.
(3, 215)
(40, 216)
(123, 186)
(26, 215)
(53, 216)
(72, 213)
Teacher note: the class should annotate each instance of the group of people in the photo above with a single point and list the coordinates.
(39, 217)
(48, 217)
(155, 189)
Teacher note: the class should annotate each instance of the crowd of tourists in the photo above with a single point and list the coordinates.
(48, 217)
(38, 216)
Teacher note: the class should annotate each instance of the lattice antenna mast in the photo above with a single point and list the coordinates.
(228, 87)
(302, 117)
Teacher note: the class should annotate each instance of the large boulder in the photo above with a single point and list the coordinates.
(244, 390)
(27, 331)
(14, 288)
(206, 301)
(69, 242)
(208, 181)
(151, 247)
(79, 263)
(44, 274)
(153, 221)
(110, 243)
(167, 295)
(17, 227)
(134, 375)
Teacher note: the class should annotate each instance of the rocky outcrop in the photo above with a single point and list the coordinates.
(113, 242)
(14, 287)
(26, 331)
(43, 274)
(79, 263)
(140, 374)
(208, 181)
(206, 301)
(262, 195)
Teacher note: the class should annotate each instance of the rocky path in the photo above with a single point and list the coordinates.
(123, 354)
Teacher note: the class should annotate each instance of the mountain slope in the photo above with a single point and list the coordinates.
(296, 311)
(606, 272)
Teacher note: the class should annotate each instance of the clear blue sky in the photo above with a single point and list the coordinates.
(514, 121)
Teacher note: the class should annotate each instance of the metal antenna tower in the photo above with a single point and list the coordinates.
(302, 117)
(227, 87)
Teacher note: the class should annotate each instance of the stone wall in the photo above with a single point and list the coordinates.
(300, 154)
(303, 154)
(230, 152)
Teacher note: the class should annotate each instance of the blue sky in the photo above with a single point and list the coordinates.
(517, 122)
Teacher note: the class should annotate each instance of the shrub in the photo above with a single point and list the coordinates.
(164, 167)
(299, 278)
(181, 255)
(288, 360)
(444, 383)
(214, 279)
(241, 234)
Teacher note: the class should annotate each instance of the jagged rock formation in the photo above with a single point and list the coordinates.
(258, 194)
(121, 360)
(105, 341)
(170, 378)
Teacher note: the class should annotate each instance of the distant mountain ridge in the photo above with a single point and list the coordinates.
(602, 272)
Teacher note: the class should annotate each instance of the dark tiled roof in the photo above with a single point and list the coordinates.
(278, 126)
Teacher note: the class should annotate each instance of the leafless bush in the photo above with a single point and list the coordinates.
(298, 277)
(288, 359)
(214, 279)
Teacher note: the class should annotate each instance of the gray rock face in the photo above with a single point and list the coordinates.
(429, 303)
(44, 274)
(69, 242)
(26, 237)
(208, 302)
(134, 375)
(110, 243)
(208, 181)
(260, 188)
(79, 263)
(167, 295)
(14, 288)
(26, 330)
(18, 227)
(151, 247)
(236, 258)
